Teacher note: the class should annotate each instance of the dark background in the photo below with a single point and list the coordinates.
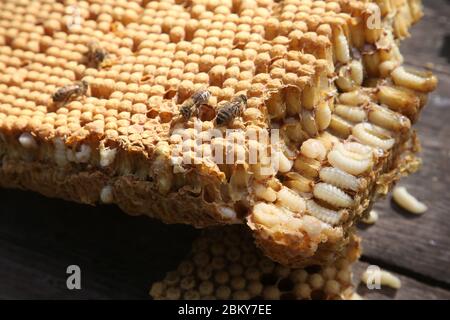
(120, 256)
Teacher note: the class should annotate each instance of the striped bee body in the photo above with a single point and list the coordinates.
(231, 110)
(197, 99)
(69, 92)
(187, 109)
(96, 55)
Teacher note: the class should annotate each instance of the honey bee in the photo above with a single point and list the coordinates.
(231, 110)
(190, 105)
(64, 94)
(97, 56)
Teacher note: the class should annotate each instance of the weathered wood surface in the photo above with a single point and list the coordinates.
(411, 289)
(421, 244)
(120, 256)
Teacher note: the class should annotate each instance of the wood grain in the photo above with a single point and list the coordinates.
(119, 256)
(411, 289)
(421, 243)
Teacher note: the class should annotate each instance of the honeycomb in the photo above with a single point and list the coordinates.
(318, 109)
(225, 264)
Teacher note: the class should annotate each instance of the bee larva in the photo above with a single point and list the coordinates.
(388, 119)
(231, 110)
(407, 201)
(355, 150)
(354, 114)
(385, 278)
(267, 215)
(284, 164)
(84, 154)
(60, 152)
(326, 215)
(96, 55)
(414, 80)
(371, 218)
(342, 48)
(291, 200)
(339, 178)
(353, 98)
(27, 141)
(107, 156)
(351, 158)
(191, 105)
(332, 195)
(373, 135)
(106, 195)
(265, 193)
(313, 149)
(71, 91)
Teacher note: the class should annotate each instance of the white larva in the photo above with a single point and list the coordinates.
(386, 118)
(84, 154)
(314, 149)
(413, 81)
(373, 135)
(27, 141)
(342, 49)
(323, 116)
(284, 164)
(228, 214)
(355, 150)
(371, 218)
(357, 72)
(106, 194)
(386, 68)
(265, 193)
(326, 215)
(266, 214)
(352, 157)
(349, 165)
(385, 278)
(353, 98)
(407, 201)
(343, 81)
(107, 156)
(291, 200)
(339, 178)
(60, 152)
(332, 195)
(354, 114)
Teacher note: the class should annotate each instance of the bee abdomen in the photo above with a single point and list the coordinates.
(61, 94)
(223, 116)
(186, 108)
(186, 112)
(201, 97)
(58, 96)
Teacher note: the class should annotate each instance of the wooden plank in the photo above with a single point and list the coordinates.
(119, 256)
(422, 244)
(430, 41)
(410, 290)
